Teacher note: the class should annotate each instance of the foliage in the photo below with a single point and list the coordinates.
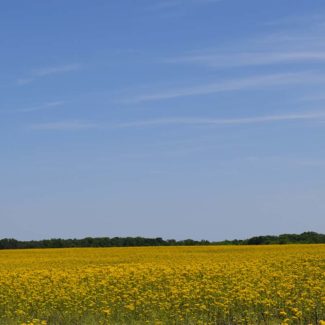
(304, 238)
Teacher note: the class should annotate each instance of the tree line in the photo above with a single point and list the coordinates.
(304, 238)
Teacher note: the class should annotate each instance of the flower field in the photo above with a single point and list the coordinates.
(164, 285)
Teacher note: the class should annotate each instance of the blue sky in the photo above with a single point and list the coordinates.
(170, 118)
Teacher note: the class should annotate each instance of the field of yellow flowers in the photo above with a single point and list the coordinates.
(164, 285)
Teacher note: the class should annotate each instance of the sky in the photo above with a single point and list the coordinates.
(200, 119)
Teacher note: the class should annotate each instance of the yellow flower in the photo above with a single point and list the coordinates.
(130, 306)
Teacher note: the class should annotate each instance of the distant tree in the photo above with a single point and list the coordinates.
(308, 237)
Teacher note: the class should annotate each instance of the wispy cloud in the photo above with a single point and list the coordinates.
(170, 4)
(252, 82)
(65, 125)
(190, 121)
(249, 58)
(289, 40)
(231, 121)
(297, 21)
(311, 162)
(48, 71)
(313, 97)
(24, 81)
(46, 106)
